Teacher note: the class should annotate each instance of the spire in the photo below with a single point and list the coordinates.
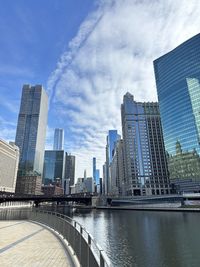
(178, 148)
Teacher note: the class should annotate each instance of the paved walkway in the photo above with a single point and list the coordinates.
(23, 243)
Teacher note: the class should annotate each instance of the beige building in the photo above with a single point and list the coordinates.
(9, 159)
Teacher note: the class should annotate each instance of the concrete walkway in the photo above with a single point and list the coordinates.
(23, 243)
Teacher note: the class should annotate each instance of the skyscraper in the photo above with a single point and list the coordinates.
(97, 176)
(94, 168)
(69, 168)
(117, 169)
(54, 161)
(111, 139)
(145, 160)
(31, 129)
(58, 139)
(177, 76)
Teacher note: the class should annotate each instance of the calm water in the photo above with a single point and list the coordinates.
(144, 238)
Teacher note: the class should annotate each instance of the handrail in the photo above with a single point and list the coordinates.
(88, 252)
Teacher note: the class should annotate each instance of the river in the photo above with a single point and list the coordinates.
(144, 238)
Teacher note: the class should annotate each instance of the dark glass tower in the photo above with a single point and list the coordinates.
(177, 76)
(31, 129)
(54, 161)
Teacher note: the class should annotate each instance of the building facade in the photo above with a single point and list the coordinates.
(31, 129)
(177, 76)
(29, 185)
(146, 170)
(94, 168)
(111, 140)
(54, 162)
(117, 170)
(69, 168)
(58, 139)
(9, 160)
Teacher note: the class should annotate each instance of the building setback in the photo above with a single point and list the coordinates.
(145, 160)
(9, 159)
(177, 76)
(31, 131)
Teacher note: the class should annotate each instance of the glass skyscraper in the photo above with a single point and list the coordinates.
(31, 129)
(54, 161)
(58, 139)
(111, 140)
(177, 76)
(94, 168)
(145, 160)
(69, 168)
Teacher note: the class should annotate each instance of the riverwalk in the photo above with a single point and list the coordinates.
(23, 243)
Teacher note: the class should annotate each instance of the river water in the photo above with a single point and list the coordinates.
(144, 238)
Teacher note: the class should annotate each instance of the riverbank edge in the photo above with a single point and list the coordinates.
(149, 208)
(181, 209)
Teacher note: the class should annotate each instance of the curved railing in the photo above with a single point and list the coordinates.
(84, 246)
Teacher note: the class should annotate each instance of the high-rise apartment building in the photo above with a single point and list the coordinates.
(177, 76)
(145, 160)
(31, 128)
(54, 162)
(9, 159)
(58, 139)
(69, 168)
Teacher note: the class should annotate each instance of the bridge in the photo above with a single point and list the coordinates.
(37, 199)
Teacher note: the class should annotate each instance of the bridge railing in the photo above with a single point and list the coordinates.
(84, 246)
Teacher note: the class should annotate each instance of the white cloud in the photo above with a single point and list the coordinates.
(112, 53)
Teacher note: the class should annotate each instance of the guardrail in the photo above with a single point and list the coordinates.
(84, 246)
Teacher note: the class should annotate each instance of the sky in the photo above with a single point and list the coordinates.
(87, 54)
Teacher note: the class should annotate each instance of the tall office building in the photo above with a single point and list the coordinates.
(117, 170)
(58, 139)
(9, 159)
(145, 160)
(54, 162)
(94, 168)
(30, 137)
(69, 168)
(177, 76)
(111, 139)
(31, 128)
(97, 176)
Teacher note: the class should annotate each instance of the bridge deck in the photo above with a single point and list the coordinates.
(23, 243)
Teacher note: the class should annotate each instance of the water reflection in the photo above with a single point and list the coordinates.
(144, 238)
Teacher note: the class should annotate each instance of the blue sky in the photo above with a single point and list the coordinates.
(87, 54)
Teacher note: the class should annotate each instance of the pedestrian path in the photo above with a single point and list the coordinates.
(23, 243)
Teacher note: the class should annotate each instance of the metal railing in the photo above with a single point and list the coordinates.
(84, 246)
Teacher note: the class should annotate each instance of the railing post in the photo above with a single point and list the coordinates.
(89, 244)
(102, 262)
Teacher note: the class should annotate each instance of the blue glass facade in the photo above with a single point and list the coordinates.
(112, 138)
(177, 76)
(53, 165)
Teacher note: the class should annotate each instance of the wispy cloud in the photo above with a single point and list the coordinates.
(111, 54)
